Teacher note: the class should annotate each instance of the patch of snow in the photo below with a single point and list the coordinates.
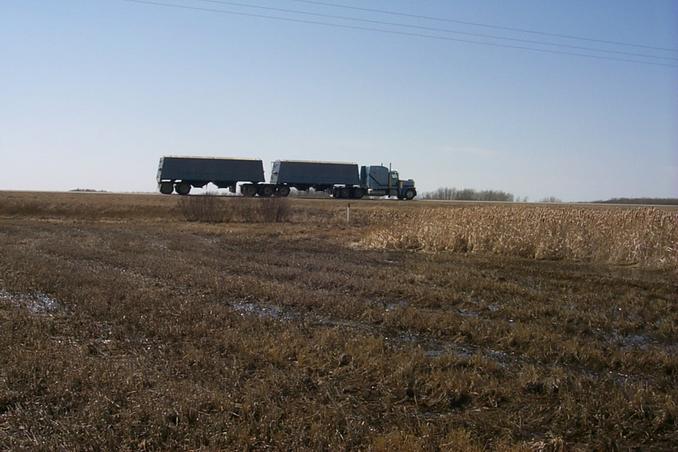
(36, 303)
(259, 310)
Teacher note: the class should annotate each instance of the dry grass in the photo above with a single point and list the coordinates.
(144, 208)
(209, 208)
(644, 236)
(150, 332)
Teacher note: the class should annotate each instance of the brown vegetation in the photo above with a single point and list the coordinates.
(126, 327)
(209, 208)
(643, 236)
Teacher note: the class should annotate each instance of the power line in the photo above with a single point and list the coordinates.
(393, 32)
(479, 24)
(434, 29)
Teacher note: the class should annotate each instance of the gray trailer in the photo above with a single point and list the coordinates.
(179, 174)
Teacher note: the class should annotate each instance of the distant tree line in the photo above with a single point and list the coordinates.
(656, 201)
(468, 194)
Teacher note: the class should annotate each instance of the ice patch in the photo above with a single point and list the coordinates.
(467, 313)
(493, 307)
(36, 303)
(259, 310)
(395, 305)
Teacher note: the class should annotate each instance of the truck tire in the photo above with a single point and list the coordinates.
(183, 188)
(248, 190)
(265, 191)
(357, 193)
(166, 188)
(345, 192)
(410, 194)
(283, 191)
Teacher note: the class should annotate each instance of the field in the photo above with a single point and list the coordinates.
(418, 326)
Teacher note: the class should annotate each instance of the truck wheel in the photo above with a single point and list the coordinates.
(410, 194)
(248, 190)
(357, 193)
(283, 191)
(166, 188)
(183, 188)
(266, 191)
(345, 192)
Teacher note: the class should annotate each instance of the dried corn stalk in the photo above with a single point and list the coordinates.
(643, 236)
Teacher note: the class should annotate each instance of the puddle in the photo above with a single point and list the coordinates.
(449, 349)
(275, 312)
(638, 341)
(635, 340)
(404, 337)
(498, 356)
(493, 307)
(394, 305)
(432, 348)
(467, 313)
(340, 323)
(434, 353)
(36, 303)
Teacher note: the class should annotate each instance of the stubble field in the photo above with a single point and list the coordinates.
(418, 326)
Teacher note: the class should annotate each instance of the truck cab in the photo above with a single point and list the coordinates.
(378, 180)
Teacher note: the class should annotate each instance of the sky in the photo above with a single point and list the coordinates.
(94, 92)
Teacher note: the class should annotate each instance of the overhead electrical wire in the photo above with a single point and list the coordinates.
(479, 24)
(393, 32)
(433, 29)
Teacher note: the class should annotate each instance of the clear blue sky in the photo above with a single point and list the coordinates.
(93, 92)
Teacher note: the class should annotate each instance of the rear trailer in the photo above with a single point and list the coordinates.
(179, 174)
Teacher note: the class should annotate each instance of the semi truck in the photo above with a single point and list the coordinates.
(341, 180)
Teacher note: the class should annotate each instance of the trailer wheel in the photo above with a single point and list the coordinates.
(183, 188)
(248, 190)
(283, 191)
(357, 193)
(345, 192)
(166, 188)
(265, 191)
(410, 194)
